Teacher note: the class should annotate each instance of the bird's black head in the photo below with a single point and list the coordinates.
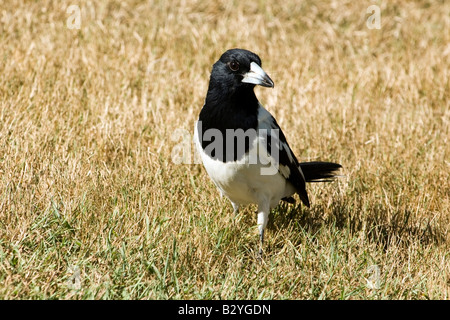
(231, 102)
(237, 70)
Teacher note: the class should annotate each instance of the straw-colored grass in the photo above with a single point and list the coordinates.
(92, 204)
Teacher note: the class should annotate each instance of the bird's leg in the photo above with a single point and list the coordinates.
(261, 238)
(235, 208)
(235, 211)
(263, 218)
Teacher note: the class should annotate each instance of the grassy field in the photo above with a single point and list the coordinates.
(93, 205)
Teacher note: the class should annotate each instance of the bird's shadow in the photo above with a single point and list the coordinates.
(380, 226)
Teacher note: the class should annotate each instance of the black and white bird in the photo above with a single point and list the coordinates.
(241, 145)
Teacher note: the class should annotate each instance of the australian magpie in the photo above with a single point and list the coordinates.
(241, 145)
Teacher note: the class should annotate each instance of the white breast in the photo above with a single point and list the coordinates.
(246, 181)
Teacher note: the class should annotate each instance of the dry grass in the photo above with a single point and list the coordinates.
(88, 185)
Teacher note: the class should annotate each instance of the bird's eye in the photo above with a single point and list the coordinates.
(233, 65)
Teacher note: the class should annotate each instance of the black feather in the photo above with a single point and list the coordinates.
(229, 103)
(285, 154)
(318, 171)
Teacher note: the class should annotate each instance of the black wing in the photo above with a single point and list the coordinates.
(288, 165)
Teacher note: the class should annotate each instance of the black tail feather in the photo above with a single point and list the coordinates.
(318, 171)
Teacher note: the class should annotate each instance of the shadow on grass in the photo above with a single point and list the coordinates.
(381, 225)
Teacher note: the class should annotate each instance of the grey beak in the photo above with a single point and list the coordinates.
(258, 76)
